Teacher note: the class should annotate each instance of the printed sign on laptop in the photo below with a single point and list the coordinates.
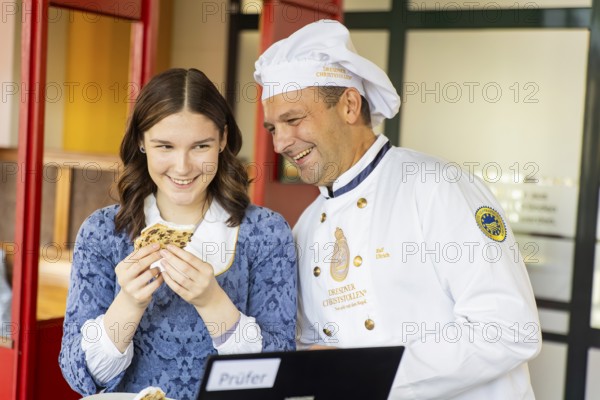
(243, 374)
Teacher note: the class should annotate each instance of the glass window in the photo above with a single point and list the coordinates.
(592, 389)
(251, 6)
(549, 262)
(255, 6)
(548, 371)
(373, 45)
(247, 92)
(554, 321)
(367, 5)
(493, 5)
(595, 317)
(493, 102)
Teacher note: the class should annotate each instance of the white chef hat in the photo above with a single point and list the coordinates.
(322, 54)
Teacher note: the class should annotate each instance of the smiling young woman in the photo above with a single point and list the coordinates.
(168, 100)
(159, 311)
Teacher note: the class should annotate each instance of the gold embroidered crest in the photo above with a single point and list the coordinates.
(491, 224)
(340, 258)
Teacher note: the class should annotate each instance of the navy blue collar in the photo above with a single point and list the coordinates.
(362, 175)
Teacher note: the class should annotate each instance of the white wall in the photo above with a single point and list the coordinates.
(493, 6)
(10, 90)
(199, 37)
(57, 92)
(248, 97)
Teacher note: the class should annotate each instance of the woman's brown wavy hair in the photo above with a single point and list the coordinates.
(168, 93)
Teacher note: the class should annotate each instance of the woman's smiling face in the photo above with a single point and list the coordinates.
(183, 152)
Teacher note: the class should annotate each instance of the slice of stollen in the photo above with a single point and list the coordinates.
(151, 393)
(164, 235)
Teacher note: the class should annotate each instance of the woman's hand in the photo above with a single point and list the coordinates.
(135, 276)
(194, 280)
(190, 277)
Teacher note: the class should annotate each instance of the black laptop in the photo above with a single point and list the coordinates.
(356, 373)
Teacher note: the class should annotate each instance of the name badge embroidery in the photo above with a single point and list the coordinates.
(381, 253)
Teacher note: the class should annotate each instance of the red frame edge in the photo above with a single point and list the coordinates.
(29, 194)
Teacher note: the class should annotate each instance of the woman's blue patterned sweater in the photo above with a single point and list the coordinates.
(172, 342)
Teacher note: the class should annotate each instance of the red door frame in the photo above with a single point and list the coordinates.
(19, 357)
(279, 19)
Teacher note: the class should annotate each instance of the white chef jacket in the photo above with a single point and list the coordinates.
(396, 256)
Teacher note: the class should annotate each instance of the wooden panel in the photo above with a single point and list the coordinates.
(91, 190)
(130, 9)
(8, 202)
(163, 45)
(49, 185)
(68, 158)
(62, 205)
(52, 301)
(96, 63)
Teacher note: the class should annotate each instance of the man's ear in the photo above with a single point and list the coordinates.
(351, 102)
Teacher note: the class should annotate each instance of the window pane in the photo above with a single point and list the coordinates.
(548, 370)
(592, 390)
(373, 45)
(247, 92)
(493, 102)
(493, 5)
(595, 317)
(554, 321)
(549, 262)
(367, 5)
(251, 6)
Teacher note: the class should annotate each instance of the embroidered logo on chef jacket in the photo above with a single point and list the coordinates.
(340, 259)
(491, 224)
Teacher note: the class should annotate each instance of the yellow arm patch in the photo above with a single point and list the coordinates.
(491, 223)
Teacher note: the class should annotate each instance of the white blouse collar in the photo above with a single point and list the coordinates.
(213, 241)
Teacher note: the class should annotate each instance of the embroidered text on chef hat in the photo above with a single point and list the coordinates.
(322, 54)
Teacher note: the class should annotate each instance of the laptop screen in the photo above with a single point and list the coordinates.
(356, 373)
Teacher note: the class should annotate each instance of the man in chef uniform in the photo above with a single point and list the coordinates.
(398, 248)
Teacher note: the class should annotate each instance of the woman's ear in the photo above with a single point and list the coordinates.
(352, 103)
(223, 142)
